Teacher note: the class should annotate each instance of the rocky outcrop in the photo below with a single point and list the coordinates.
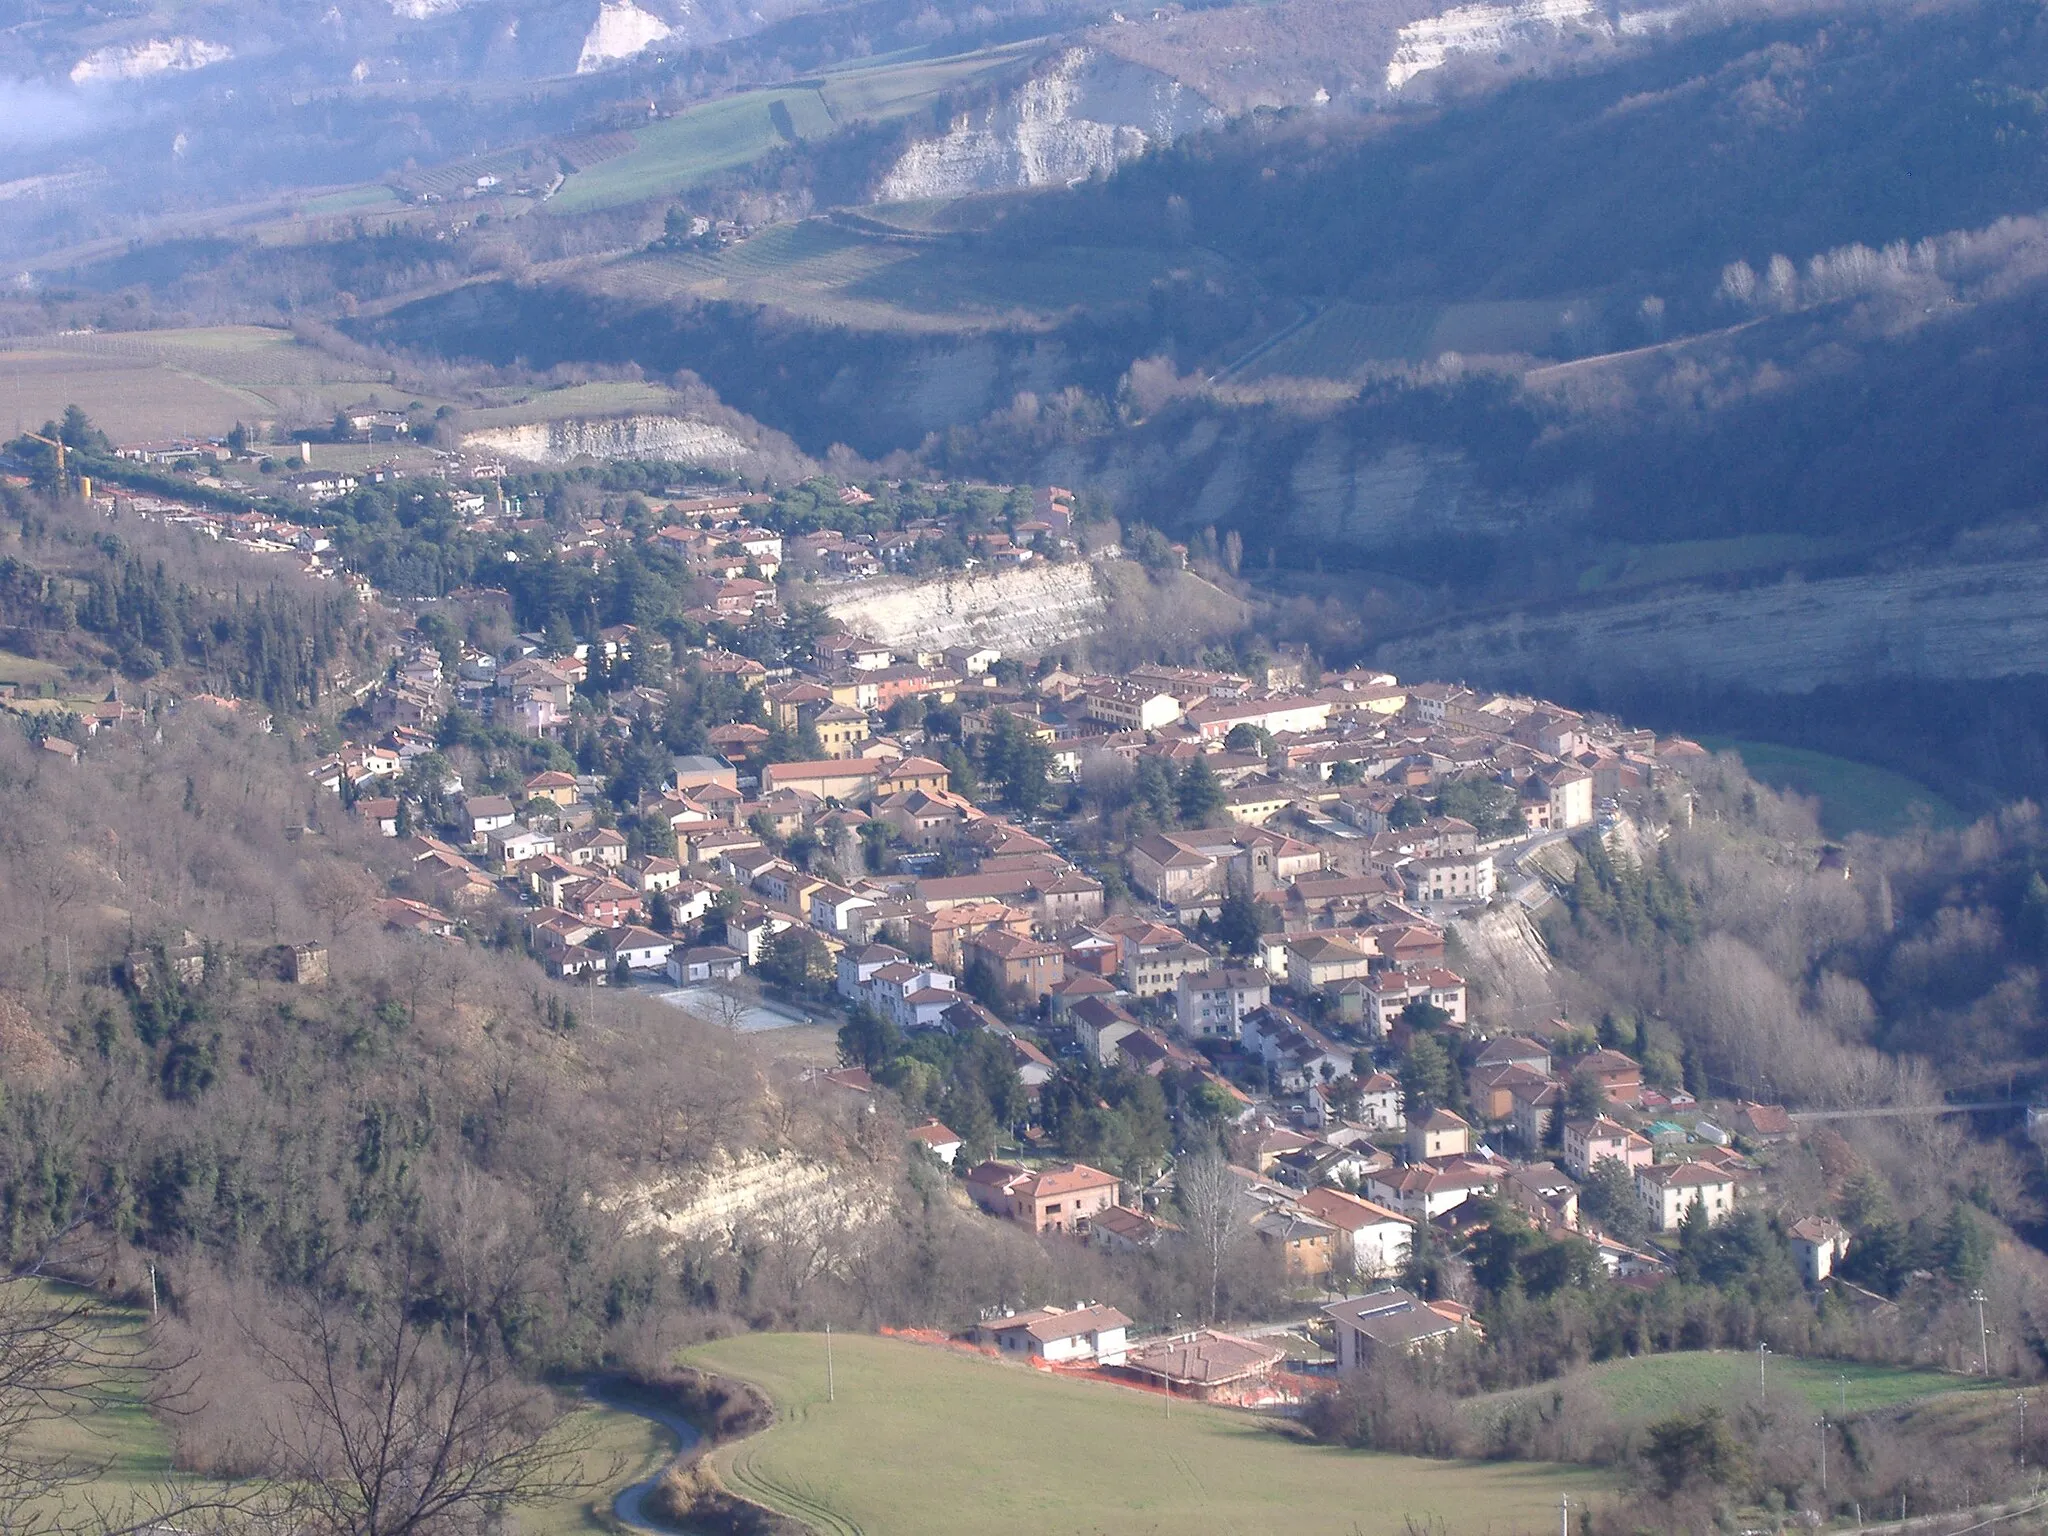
(1084, 112)
(1484, 29)
(139, 61)
(1014, 611)
(674, 438)
(777, 1196)
(1941, 622)
(1506, 958)
(621, 30)
(1386, 495)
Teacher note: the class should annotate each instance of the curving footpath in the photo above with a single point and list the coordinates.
(630, 1504)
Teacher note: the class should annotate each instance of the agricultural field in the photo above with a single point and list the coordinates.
(622, 1448)
(1853, 796)
(878, 91)
(671, 157)
(827, 272)
(351, 200)
(28, 672)
(139, 385)
(1653, 1387)
(917, 1439)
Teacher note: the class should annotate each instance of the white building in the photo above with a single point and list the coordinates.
(1059, 1335)
(1668, 1191)
(1377, 1239)
(1211, 1005)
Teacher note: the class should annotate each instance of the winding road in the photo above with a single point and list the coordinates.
(630, 1503)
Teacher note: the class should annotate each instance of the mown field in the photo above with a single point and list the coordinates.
(670, 158)
(1854, 797)
(917, 1439)
(1653, 1387)
(836, 275)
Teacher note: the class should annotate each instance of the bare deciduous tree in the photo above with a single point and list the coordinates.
(1208, 1194)
(65, 1357)
(392, 1425)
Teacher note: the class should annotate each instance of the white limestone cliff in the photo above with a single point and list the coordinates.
(1085, 111)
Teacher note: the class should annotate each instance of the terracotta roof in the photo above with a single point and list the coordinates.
(1346, 1211)
(1205, 1358)
(1071, 1179)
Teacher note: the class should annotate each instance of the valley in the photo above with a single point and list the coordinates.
(1301, 737)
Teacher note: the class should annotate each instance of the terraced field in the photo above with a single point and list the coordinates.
(916, 1439)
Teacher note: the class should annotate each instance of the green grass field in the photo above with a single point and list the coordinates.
(1854, 797)
(28, 671)
(351, 200)
(1653, 1387)
(132, 1447)
(920, 1440)
(689, 148)
(837, 275)
(623, 1449)
(671, 157)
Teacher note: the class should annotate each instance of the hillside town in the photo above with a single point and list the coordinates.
(924, 846)
(1223, 903)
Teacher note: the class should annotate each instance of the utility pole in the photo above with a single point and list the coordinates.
(152, 1290)
(1564, 1515)
(1822, 1421)
(2020, 1398)
(828, 1363)
(1762, 1349)
(1842, 1387)
(1983, 1333)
